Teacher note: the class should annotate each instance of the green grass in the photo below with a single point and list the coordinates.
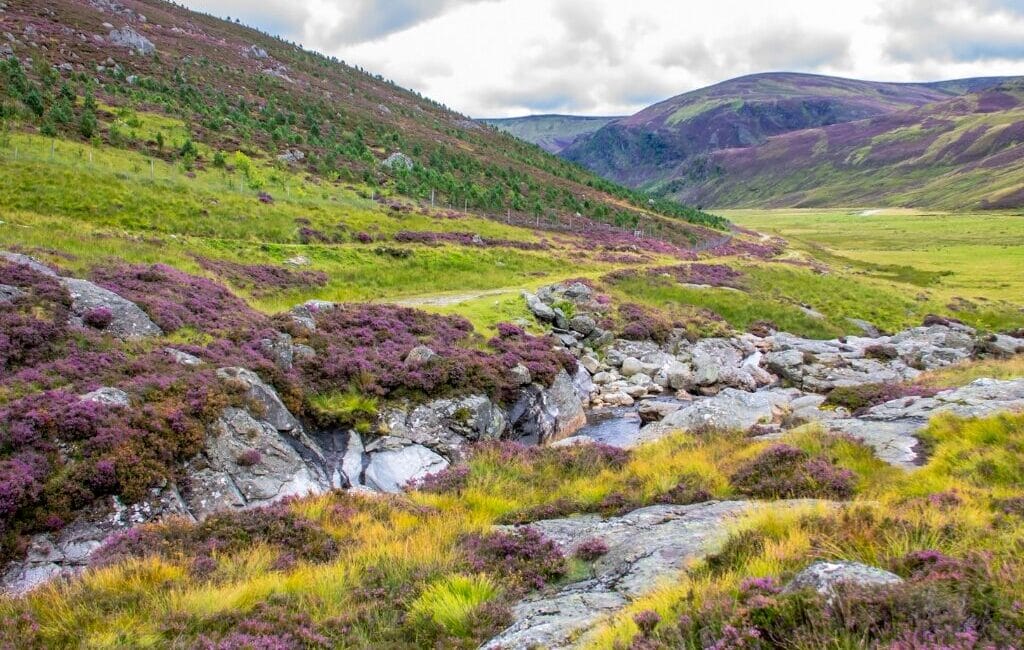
(971, 261)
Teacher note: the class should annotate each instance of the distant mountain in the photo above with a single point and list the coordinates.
(785, 139)
(552, 133)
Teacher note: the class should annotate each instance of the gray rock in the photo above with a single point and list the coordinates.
(825, 577)
(391, 471)
(398, 160)
(256, 52)
(128, 37)
(583, 324)
(654, 411)
(522, 375)
(730, 410)
(865, 327)
(9, 294)
(592, 365)
(292, 156)
(29, 261)
(352, 461)
(305, 314)
(583, 384)
(108, 397)
(273, 409)
(280, 348)
(246, 462)
(183, 358)
(547, 415)
(631, 366)
(129, 321)
(420, 355)
(538, 308)
(297, 260)
(645, 547)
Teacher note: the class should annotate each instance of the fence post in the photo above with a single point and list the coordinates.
(152, 169)
(53, 147)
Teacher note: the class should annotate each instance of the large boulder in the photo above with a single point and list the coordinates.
(538, 307)
(825, 578)
(128, 320)
(545, 415)
(391, 470)
(730, 410)
(131, 39)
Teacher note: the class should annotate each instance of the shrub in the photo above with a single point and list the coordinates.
(642, 324)
(451, 479)
(863, 396)
(786, 472)
(591, 549)
(249, 457)
(525, 558)
(99, 317)
(263, 279)
(451, 601)
(225, 532)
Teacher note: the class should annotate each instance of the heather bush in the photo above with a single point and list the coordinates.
(224, 533)
(60, 452)
(863, 396)
(450, 480)
(590, 549)
(33, 322)
(642, 324)
(525, 558)
(99, 317)
(364, 347)
(464, 239)
(263, 279)
(786, 472)
(174, 299)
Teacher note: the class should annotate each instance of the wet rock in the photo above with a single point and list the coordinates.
(129, 321)
(546, 415)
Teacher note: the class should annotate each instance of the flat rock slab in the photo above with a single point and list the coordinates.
(645, 547)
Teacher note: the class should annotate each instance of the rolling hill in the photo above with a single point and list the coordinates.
(236, 89)
(552, 133)
(783, 139)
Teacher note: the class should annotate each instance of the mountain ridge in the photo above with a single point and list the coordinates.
(682, 147)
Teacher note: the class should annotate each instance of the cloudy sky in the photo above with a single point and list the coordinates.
(496, 58)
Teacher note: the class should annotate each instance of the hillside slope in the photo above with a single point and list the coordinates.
(237, 89)
(552, 133)
(960, 153)
(689, 147)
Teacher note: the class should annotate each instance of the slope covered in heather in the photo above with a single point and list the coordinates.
(752, 141)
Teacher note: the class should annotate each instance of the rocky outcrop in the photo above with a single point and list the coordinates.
(445, 425)
(246, 463)
(127, 319)
(645, 547)
(131, 39)
(891, 428)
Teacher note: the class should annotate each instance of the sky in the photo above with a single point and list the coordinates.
(505, 58)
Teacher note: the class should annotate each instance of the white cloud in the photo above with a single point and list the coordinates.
(607, 57)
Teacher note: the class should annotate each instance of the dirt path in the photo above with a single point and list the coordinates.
(447, 299)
